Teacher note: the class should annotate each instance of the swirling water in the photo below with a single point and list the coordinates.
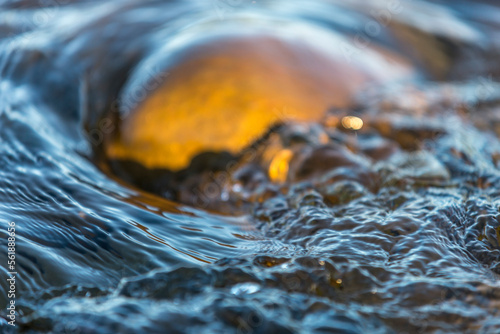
(397, 229)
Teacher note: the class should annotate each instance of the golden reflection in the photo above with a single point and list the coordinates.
(352, 122)
(278, 169)
(223, 95)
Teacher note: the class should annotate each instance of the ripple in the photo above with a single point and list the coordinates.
(386, 228)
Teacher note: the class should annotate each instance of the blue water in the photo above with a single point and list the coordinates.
(393, 229)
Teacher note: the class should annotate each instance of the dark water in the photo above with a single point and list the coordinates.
(391, 229)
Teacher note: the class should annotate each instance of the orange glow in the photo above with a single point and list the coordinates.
(331, 121)
(278, 169)
(225, 94)
(352, 122)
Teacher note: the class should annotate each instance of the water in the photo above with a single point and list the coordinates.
(393, 228)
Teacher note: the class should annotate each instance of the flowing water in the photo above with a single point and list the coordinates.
(381, 217)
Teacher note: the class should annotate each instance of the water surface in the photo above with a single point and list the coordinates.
(391, 228)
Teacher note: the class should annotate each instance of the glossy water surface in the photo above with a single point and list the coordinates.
(392, 228)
